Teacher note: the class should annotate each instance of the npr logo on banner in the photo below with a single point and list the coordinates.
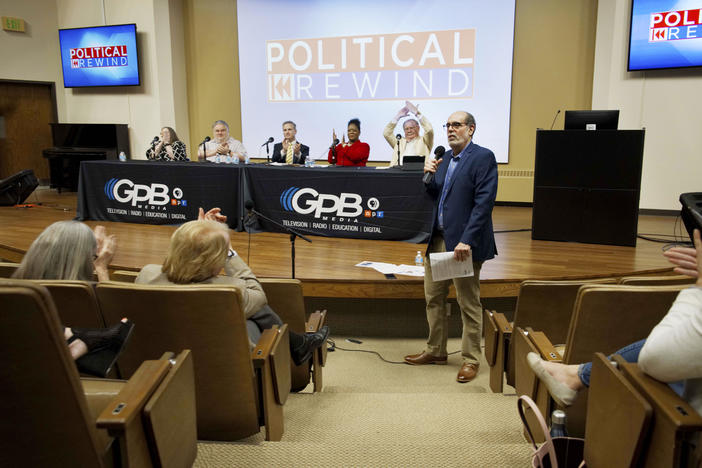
(430, 64)
(675, 25)
(93, 57)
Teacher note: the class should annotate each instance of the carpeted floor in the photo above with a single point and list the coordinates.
(376, 414)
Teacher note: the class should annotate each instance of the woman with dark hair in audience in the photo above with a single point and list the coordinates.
(198, 252)
(351, 153)
(69, 250)
(672, 352)
(168, 147)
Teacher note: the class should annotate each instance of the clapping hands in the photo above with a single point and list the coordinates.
(215, 214)
(688, 260)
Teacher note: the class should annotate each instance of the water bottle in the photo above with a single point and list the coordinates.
(419, 260)
(246, 158)
(228, 159)
(218, 158)
(122, 156)
(558, 424)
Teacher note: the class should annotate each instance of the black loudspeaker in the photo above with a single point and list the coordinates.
(16, 188)
(691, 212)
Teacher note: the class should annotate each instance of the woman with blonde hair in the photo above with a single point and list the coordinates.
(198, 252)
(69, 250)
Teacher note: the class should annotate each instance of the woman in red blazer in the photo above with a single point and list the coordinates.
(351, 153)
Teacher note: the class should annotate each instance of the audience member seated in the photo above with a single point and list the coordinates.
(290, 151)
(411, 144)
(69, 250)
(671, 353)
(168, 147)
(196, 255)
(353, 153)
(224, 148)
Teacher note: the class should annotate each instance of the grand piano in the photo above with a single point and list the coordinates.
(74, 143)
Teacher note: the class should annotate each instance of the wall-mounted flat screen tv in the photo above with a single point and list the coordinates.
(99, 56)
(665, 34)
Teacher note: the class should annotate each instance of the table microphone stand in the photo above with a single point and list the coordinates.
(293, 235)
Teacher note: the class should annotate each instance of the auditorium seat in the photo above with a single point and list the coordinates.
(605, 319)
(48, 413)
(7, 269)
(233, 398)
(124, 276)
(286, 299)
(618, 418)
(75, 303)
(657, 280)
(542, 305)
(676, 426)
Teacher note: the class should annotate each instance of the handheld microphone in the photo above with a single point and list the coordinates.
(269, 140)
(554, 119)
(438, 153)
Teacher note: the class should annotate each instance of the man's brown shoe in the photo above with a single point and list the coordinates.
(424, 358)
(467, 373)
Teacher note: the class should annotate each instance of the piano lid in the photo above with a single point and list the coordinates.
(84, 135)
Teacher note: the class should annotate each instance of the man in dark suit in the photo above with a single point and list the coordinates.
(465, 187)
(289, 150)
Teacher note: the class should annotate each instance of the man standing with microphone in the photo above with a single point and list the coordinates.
(464, 186)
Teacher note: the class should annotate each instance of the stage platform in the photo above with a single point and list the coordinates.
(326, 266)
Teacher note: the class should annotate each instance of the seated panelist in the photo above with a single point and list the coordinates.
(167, 147)
(351, 153)
(223, 148)
(411, 144)
(290, 151)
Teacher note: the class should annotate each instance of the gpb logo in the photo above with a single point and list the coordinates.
(126, 191)
(308, 200)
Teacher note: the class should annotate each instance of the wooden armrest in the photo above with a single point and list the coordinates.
(264, 346)
(316, 321)
(543, 344)
(502, 323)
(131, 399)
(683, 416)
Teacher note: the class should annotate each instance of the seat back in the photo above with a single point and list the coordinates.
(607, 318)
(7, 269)
(124, 276)
(207, 319)
(286, 299)
(170, 416)
(75, 302)
(45, 417)
(656, 280)
(547, 306)
(618, 418)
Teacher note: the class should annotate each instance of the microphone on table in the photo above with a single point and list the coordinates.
(398, 136)
(155, 140)
(554, 119)
(270, 140)
(438, 153)
(333, 150)
(207, 138)
(336, 142)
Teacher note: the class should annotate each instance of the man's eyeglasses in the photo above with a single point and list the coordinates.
(454, 125)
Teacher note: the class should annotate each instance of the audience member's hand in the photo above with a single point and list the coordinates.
(698, 247)
(215, 214)
(430, 165)
(685, 259)
(106, 247)
(461, 252)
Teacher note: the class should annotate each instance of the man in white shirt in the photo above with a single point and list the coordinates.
(223, 148)
(411, 144)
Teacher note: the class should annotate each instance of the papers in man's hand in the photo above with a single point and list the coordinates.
(444, 266)
(391, 268)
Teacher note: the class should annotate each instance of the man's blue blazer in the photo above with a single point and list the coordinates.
(469, 201)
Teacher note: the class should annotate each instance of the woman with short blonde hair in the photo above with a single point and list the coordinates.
(198, 251)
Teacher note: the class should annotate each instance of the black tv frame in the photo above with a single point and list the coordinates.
(136, 42)
(579, 119)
